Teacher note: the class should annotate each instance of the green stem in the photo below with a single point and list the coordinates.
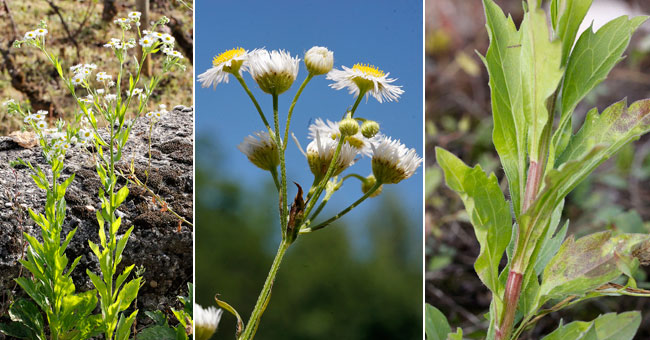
(356, 103)
(274, 173)
(283, 167)
(342, 212)
(295, 99)
(265, 295)
(314, 198)
(250, 94)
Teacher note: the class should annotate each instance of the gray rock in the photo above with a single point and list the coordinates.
(157, 243)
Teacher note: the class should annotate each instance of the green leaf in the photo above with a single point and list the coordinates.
(436, 325)
(157, 333)
(609, 326)
(456, 336)
(25, 312)
(121, 196)
(541, 74)
(124, 326)
(571, 13)
(502, 61)
(594, 56)
(583, 265)
(129, 293)
(17, 330)
(488, 211)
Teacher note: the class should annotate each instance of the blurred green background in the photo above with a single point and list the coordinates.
(334, 284)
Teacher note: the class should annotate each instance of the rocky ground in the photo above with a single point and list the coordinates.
(159, 242)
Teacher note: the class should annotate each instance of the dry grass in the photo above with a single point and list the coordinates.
(175, 89)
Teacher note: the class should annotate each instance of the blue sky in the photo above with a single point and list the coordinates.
(387, 34)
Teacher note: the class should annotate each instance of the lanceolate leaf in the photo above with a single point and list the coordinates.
(594, 56)
(615, 127)
(584, 265)
(600, 138)
(541, 75)
(609, 326)
(571, 13)
(488, 211)
(502, 62)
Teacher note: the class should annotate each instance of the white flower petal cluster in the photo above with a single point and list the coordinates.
(157, 114)
(274, 71)
(81, 72)
(206, 321)
(319, 60)
(393, 162)
(134, 16)
(228, 62)
(36, 117)
(261, 150)
(103, 77)
(329, 129)
(366, 79)
(320, 152)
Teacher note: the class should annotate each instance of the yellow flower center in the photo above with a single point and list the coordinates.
(368, 69)
(228, 55)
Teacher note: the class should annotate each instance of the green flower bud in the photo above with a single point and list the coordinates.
(368, 183)
(348, 127)
(369, 128)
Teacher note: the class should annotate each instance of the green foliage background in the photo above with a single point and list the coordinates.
(326, 288)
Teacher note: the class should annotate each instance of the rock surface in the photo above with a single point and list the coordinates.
(157, 243)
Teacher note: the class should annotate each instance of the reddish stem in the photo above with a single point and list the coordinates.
(511, 298)
(532, 184)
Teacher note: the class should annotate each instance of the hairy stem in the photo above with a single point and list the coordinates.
(265, 295)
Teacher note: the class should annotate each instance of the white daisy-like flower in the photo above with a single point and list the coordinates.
(57, 135)
(40, 32)
(320, 152)
(100, 91)
(28, 119)
(261, 150)
(30, 35)
(110, 97)
(230, 61)
(77, 80)
(393, 162)
(206, 321)
(130, 44)
(150, 114)
(158, 35)
(167, 39)
(167, 50)
(103, 76)
(8, 102)
(85, 134)
(75, 68)
(90, 66)
(273, 71)
(121, 21)
(329, 129)
(40, 114)
(366, 79)
(134, 16)
(146, 41)
(176, 54)
(319, 60)
(137, 91)
(41, 124)
(111, 83)
(87, 100)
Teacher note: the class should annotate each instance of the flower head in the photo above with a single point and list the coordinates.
(261, 150)
(134, 16)
(331, 130)
(320, 152)
(30, 35)
(147, 41)
(368, 183)
(206, 321)
(319, 60)
(167, 39)
(365, 79)
(393, 162)
(41, 32)
(227, 62)
(273, 71)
